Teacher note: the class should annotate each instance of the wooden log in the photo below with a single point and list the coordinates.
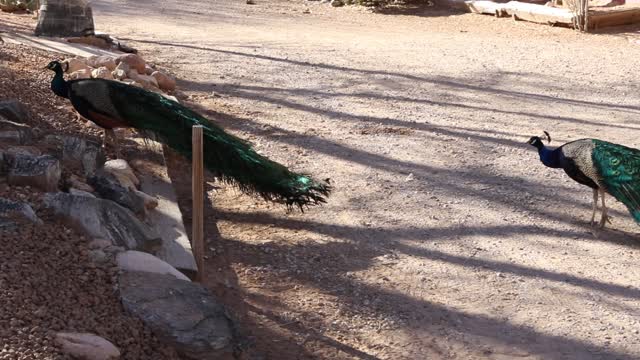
(198, 200)
(538, 13)
(600, 19)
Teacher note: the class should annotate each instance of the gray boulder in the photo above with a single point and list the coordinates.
(86, 153)
(12, 210)
(104, 219)
(108, 187)
(13, 110)
(42, 172)
(181, 313)
(15, 133)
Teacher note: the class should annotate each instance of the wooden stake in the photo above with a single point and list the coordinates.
(197, 186)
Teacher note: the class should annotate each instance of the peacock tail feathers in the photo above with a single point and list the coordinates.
(618, 170)
(233, 160)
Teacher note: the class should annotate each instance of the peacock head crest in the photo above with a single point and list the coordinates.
(537, 140)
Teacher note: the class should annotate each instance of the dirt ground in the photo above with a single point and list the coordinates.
(445, 237)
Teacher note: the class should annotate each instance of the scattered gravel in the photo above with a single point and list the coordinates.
(49, 284)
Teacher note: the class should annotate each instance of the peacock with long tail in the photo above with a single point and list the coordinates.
(111, 104)
(603, 166)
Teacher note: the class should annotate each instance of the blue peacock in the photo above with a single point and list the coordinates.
(112, 104)
(603, 166)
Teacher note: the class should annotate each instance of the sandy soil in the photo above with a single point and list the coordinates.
(445, 237)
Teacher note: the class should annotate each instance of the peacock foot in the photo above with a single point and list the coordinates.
(605, 219)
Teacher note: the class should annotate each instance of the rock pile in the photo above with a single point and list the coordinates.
(127, 68)
(77, 243)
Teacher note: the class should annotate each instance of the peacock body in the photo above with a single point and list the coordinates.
(603, 166)
(111, 104)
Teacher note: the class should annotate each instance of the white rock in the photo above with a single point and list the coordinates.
(123, 173)
(80, 74)
(171, 97)
(121, 70)
(87, 346)
(102, 61)
(119, 74)
(133, 61)
(132, 260)
(75, 64)
(102, 73)
(145, 80)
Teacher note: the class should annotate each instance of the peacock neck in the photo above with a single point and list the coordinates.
(59, 85)
(549, 157)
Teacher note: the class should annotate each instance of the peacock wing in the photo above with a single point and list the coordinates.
(618, 169)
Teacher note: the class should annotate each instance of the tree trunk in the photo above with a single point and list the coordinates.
(65, 18)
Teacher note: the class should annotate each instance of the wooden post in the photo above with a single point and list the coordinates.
(197, 186)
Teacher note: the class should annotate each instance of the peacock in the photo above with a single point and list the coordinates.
(603, 166)
(112, 104)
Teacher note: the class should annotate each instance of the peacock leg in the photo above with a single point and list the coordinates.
(605, 218)
(595, 207)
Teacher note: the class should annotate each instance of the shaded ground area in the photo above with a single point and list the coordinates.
(445, 236)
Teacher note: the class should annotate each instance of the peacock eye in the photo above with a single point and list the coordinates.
(614, 161)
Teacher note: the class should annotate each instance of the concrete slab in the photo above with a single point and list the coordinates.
(56, 45)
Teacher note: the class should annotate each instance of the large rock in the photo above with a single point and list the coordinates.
(102, 61)
(165, 82)
(83, 152)
(80, 74)
(108, 187)
(135, 62)
(13, 210)
(102, 73)
(13, 110)
(181, 313)
(42, 172)
(132, 260)
(15, 133)
(75, 64)
(87, 346)
(14, 151)
(147, 81)
(123, 173)
(104, 219)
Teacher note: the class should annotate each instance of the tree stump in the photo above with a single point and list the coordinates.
(65, 18)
